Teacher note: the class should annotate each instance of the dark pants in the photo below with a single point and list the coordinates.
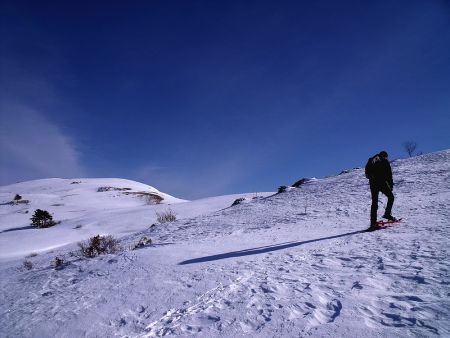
(375, 189)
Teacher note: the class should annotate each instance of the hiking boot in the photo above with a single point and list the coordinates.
(374, 227)
(390, 218)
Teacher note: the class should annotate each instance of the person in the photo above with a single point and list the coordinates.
(379, 173)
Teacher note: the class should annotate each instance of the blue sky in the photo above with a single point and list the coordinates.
(202, 98)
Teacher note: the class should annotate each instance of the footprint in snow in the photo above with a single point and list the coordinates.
(327, 313)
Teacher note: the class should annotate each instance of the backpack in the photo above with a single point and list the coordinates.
(370, 166)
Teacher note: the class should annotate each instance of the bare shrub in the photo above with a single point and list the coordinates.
(58, 263)
(27, 265)
(23, 202)
(99, 245)
(306, 205)
(152, 198)
(166, 216)
(103, 189)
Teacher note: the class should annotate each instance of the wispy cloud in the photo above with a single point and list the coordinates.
(199, 181)
(33, 147)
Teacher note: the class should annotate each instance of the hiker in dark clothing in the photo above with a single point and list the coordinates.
(379, 173)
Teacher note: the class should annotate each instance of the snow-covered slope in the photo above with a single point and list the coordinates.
(86, 207)
(260, 269)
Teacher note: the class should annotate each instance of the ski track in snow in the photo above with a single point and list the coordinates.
(260, 269)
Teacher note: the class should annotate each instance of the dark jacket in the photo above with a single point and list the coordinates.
(379, 172)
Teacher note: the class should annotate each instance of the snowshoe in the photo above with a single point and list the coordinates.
(394, 221)
(390, 218)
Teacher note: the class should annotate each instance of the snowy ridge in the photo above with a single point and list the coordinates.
(84, 208)
(263, 268)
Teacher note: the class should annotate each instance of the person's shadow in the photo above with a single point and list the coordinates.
(262, 249)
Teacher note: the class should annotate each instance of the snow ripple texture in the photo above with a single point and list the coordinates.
(261, 269)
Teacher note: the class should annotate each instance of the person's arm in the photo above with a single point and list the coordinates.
(389, 175)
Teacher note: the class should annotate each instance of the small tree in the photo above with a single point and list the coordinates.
(17, 198)
(42, 219)
(410, 147)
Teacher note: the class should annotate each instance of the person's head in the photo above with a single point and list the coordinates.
(383, 154)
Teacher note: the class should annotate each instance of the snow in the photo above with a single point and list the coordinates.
(263, 268)
(85, 209)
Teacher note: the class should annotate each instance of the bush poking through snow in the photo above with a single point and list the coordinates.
(42, 219)
(301, 182)
(58, 263)
(103, 189)
(238, 201)
(152, 198)
(27, 265)
(99, 245)
(17, 198)
(166, 216)
(22, 202)
(282, 189)
(144, 241)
